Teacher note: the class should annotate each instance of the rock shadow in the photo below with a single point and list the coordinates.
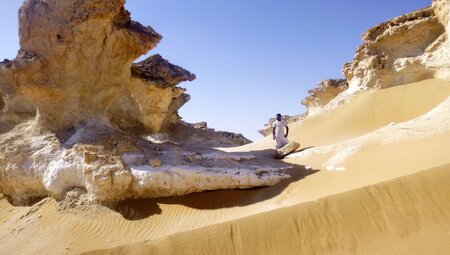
(211, 200)
(137, 209)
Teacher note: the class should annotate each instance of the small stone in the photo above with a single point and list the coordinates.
(155, 162)
(201, 125)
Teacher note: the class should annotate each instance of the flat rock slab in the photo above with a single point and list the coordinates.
(287, 149)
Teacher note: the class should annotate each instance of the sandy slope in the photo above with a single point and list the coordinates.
(328, 212)
(403, 216)
(364, 113)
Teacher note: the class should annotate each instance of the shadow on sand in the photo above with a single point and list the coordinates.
(138, 209)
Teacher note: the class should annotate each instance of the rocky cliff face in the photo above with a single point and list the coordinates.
(399, 51)
(324, 93)
(91, 119)
(406, 49)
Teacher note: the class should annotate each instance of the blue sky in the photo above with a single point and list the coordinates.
(252, 58)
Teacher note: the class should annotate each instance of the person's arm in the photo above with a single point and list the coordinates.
(287, 131)
(273, 132)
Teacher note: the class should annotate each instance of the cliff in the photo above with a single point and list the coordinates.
(409, 48)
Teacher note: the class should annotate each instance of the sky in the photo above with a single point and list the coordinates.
(252, 58)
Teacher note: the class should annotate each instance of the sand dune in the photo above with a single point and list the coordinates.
(402, 216)
(358, 210)
(364, 113)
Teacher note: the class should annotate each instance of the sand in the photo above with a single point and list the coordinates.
(408, 215)
(389, 198)
(364, 113)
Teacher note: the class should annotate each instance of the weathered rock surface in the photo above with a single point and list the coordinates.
(324, 93)
(152, 100)
(289, 148)
(101, 123)
(77, 57)
(406, 49)
(192, 132)
(112, 165)
(14, 107)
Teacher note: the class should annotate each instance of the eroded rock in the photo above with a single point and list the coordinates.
(151, 101)
(402, 50)
(102, 124)
(406, 49)
(324, 93)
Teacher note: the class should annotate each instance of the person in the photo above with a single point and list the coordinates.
(278, 134)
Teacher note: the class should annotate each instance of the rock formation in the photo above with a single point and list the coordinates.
(201, 128)
(14, 107)
(76, 58)
(406, 49)
(152, 100)
(398, 51)
(101, 123)
(324, 93)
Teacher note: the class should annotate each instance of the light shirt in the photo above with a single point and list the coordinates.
(279, 127)
(280, 140)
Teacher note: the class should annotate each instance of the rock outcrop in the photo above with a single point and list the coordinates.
(406, 49)
(152, 100)
(193, 131)
(324, 93)
(102, 123)
(76, 58)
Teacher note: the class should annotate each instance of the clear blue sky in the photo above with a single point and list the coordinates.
(253, 58)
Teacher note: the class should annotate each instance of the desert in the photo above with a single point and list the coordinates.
(95, 157)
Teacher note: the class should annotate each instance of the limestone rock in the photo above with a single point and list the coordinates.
(402, 50)
(156, 97)
(151, 100)
(76, 57)
(35, 162)
(289, 148)
(160, 71)
(324, 93)
(406, 49)
(14, 106)
(194, 133)
(201, 125)
(102, 124)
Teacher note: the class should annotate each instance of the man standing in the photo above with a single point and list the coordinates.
(278, 132)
